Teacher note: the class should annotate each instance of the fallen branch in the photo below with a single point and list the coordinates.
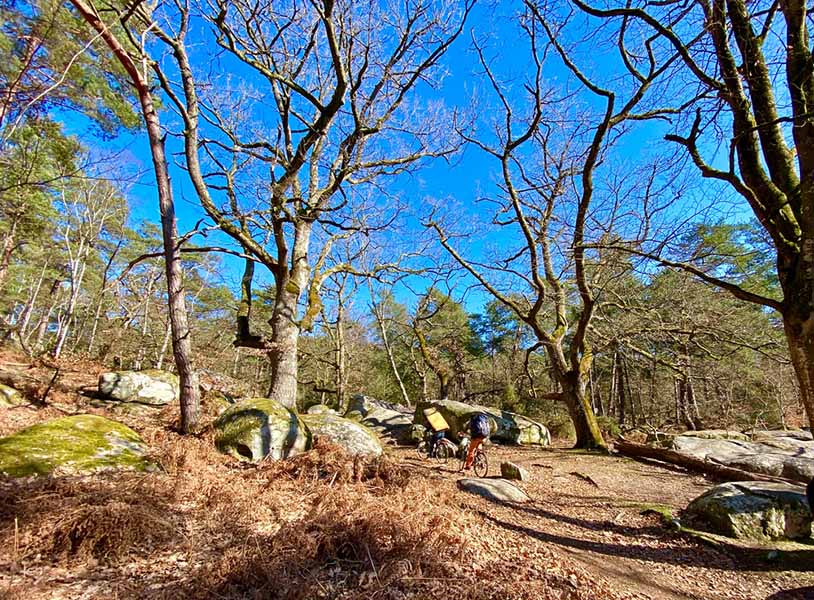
(584, 478)
(722, 472)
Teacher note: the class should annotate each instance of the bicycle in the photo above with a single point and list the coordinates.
(480, 463)
(444, 449)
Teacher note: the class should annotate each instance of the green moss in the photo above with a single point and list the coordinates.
(258, 427)
(75, 443)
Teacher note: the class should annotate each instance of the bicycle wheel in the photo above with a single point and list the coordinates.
(480, 463)
(443, 453)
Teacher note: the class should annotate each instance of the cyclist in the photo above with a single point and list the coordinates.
(479, 431)
(439, 428)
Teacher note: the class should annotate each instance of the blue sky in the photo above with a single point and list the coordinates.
(456, 184)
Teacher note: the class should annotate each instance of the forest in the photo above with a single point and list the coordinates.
(587, 219)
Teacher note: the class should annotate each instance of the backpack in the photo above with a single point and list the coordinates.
(479, 426)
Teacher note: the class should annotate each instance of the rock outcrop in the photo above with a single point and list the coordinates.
(77, 443)
(255, 428)
(788, 456)
(754, 510)
(354, 437)
(505, 426)
(152, 386)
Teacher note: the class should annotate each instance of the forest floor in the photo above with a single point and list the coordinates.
(323, 525)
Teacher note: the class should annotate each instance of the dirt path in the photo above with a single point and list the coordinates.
(601, 527)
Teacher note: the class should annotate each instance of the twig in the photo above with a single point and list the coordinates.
(48, 389)
(584, 478)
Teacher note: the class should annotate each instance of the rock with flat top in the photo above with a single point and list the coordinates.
(151, 386)
(74, 444)
(496, 490)
(755, 510)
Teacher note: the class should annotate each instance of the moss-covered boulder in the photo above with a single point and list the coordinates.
(755, 510)
(353, 436)
(73, 444)
(10, 397)
(151, 386)
(256, 428)
(505, 426)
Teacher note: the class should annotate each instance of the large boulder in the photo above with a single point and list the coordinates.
(496, 490)
(151, 386)
(73, 444)
(354, 437)
(365, 404)
(505, 426)
(755, 510)
(10, 397)
(256, 428)
(389, 423)
(781, 456)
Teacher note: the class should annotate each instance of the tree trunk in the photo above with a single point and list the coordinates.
(341, 379)
(800, 337)
(181, 336)
(285, 335)
(9, 243)
(589, 437)
(388, 348)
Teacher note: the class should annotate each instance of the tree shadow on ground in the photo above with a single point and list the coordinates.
(730, 556)
(803, 593)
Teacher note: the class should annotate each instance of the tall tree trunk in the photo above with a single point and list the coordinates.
(589, 437)
(285, 335)
(800, 337)
(341, 377)
(9, 244)
(181, 336)
(388, 348)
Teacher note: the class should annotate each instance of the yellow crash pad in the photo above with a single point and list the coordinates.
(436, 419)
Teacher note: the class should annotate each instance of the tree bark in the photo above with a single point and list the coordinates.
(573, 386)
(181, 336)
(285, 334)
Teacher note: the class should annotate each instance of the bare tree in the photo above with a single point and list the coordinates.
(748, 73)
(547, 157)
(287, 174)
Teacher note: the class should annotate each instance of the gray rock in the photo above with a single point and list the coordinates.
(354, 437)
(365, 404)
(509, 470)
(10, 397)
(801, 435)
(417, 433)
(151, 386)
(389, 423)
(505, 426)
(497, 490)
(717, 434)
(79, 443)
(780, 456)
(755, 510)
(256, 428)
(318, 409)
